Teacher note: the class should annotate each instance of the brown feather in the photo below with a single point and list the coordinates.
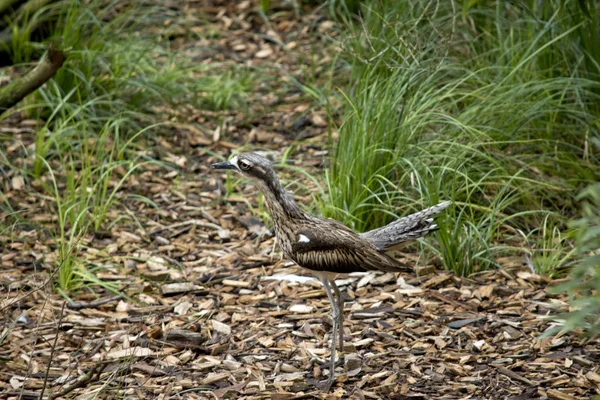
(328, 245)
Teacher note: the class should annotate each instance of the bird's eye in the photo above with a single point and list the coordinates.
(244, 165)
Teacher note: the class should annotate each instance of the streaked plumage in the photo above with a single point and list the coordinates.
(326, 246)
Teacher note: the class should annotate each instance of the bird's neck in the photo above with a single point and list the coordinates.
(280, 202)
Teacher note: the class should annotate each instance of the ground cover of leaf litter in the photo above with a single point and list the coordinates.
(209, 308)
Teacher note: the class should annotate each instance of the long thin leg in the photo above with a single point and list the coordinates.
(340, 304)
(335, 318)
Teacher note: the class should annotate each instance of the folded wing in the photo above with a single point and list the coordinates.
(339, 250)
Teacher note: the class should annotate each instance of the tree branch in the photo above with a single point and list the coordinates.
(22, 86)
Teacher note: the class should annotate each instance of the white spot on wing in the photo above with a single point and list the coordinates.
(303, 239)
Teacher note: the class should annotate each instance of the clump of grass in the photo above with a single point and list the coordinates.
(103, 109)
(440, 110)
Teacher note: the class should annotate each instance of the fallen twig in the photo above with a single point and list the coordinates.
(62, 310)
(81, 381)
(93, 304)
(514, 375)
(195, 222)
(444, 299)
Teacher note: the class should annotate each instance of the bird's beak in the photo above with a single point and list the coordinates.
(224, 165)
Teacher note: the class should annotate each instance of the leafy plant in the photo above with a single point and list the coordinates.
(583, 286)
(465, 105)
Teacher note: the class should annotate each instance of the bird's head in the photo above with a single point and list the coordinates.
(250, 165)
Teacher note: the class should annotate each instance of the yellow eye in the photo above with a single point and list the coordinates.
(244, 165)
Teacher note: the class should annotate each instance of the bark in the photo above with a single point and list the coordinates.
(26, 84)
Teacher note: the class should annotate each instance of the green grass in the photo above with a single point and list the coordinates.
(485, 106)
(102, 114)
(490, 104)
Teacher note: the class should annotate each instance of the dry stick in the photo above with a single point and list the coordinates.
(93, 304)
(514, 375)
(444, 299)
(37, 328)
(62, 310)
(80, 382)
(52, 275)
(196, 222)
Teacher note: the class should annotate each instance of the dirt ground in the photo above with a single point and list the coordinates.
(209, 309)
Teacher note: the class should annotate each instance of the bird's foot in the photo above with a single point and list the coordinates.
(325, 385)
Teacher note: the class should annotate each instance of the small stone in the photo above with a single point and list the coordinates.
(122, 307)
(301, 308)
(17, 182)
(161, 241)
(224, 234)
(479, 344)
(264, 53)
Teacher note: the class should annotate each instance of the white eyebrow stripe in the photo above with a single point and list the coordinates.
(303, 239)
(234, 161)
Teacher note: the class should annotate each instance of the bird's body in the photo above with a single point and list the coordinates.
(325, 246)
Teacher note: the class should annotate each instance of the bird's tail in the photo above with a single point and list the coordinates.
(405, 229)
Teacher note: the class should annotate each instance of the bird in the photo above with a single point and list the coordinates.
(325, 246)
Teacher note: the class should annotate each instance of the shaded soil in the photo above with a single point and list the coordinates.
(205, 307)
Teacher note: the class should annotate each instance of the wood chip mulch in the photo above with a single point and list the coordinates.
(197, 303)
(256, 329)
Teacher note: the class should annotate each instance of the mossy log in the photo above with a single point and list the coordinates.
(20, 87)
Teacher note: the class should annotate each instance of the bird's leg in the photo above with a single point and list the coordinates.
(340, 304)
(335, 313)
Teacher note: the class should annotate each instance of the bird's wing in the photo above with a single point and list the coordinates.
(327, 247)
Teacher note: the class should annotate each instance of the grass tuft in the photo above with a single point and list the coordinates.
(467, 105)
(102, 112)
